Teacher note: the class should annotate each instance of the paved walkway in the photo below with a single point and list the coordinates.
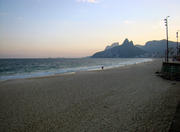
(175, 127)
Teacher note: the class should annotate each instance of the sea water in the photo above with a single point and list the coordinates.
(27, 68)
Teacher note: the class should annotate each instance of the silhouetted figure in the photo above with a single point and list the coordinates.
(102, 67)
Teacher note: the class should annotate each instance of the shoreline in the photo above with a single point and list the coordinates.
(71, 72)
(130, 98)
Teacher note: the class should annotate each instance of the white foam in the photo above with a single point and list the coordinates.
(72, 70)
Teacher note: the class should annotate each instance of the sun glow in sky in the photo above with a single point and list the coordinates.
(78, 28)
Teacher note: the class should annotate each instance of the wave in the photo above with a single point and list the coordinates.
(108, 64)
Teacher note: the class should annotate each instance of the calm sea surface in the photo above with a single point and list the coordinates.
(25, 68)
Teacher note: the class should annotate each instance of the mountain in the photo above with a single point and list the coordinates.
(126, 50)
(112, 46)
(155, 48)
(158, 47)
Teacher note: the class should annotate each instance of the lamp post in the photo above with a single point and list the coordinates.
(177, 43)
(167, 50)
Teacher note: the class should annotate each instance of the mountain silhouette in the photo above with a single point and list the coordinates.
(126, 50)
(158, 47)
(154, 48)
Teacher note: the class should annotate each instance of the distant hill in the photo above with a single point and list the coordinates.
(155, 48)
(112, 46)
(158, 47)
(126, 50)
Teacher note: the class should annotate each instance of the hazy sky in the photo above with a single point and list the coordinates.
(77, 28)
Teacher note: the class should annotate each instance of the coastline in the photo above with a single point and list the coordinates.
(77, 72)
(61, 71)
(129, 98)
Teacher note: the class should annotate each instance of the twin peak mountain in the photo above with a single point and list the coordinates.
(125, 50)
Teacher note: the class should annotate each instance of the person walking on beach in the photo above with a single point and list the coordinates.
(102, 67)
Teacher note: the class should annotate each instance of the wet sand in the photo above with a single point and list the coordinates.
(130, 98)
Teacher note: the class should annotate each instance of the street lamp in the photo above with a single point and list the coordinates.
(167, 51)
(177, 42)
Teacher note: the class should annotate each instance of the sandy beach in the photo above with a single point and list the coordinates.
(125, 99)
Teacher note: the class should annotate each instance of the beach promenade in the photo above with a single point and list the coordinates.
(125, 99)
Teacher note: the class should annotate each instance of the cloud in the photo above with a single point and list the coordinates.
(88, 1)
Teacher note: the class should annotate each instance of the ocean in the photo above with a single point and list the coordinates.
(27, 68)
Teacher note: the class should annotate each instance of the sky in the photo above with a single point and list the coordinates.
(79, 28)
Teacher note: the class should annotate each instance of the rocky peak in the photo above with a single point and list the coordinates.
(127, 42)
(131, 43)
(112, 46)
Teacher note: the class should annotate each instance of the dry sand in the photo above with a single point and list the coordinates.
(130, 98)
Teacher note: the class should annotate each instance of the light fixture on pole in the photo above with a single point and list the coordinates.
(177, 43)
(167, 50)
